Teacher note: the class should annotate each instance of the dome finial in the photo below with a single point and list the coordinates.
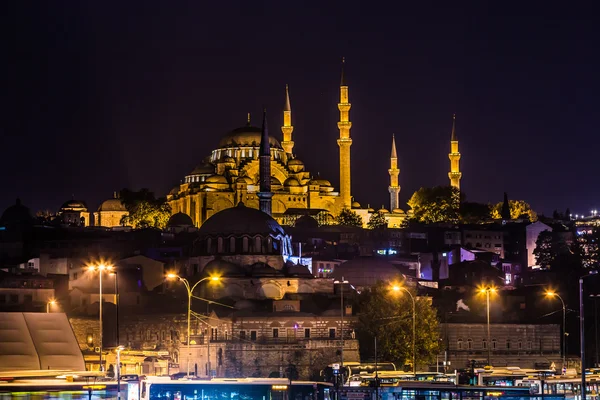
(453, 137)
(343, 79)
(287, 106)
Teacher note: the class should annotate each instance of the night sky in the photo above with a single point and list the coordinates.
(101, 95)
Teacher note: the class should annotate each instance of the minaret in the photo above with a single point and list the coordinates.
(265, 194)
(344, 142)
(454, 157)
(394, 187)
(287, 128)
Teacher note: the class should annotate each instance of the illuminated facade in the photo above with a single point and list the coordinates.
(454, 157)
(232, 175)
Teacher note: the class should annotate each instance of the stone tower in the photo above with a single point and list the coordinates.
(344, 142)
(454, 157)
(287, 128)
(394, 187)
(265, 194)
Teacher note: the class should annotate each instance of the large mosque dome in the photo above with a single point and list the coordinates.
(241, 220)
(246, 136)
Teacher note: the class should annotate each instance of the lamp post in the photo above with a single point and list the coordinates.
(414, 319)
(52, 302)
(190, 290)
(119, 349)
(564, 309)
(342, 283)
(582, 332)
(114, 274)
(100, 268)
(487, 291)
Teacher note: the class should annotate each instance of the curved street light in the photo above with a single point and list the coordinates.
(397, 288)
(552, 294)
(100, 268)
(487, 290)
(190, 290)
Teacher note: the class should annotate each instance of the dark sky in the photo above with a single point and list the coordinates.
(100, 95)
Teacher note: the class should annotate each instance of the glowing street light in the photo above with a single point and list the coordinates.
(52, 302)
(397, 288)
(190, 290)
(487, 291)
(552, 294)
(100, 268)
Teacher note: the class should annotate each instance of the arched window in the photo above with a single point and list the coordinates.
(219, 245)
(460, 344)
(208, 245)
(520, 344)
(245, 244)
(257, 245)
(494, 343)
(508, 344)
(232, 244)
(469, 344)
(484, 344)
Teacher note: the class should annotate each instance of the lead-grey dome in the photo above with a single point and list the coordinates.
(180, 219)
(241, 220)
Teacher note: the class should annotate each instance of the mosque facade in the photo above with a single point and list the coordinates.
(231, 174)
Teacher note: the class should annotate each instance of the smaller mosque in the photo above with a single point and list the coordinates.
(251, 249)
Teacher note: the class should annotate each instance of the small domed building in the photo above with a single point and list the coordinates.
(180, 222)
(250, 250)
(110, 213)
(75, 213)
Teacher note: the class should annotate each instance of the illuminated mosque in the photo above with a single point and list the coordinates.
(231, 175)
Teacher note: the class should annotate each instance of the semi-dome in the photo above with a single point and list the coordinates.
(241, 220)
(180, 219)
(291, 181)
(112, 205)
(323, 182)
(295, 165)
(367, 271)
(246, 136)
(245, 179)
(216, 179)
(203, 169)
(355, 204)
(73, 204)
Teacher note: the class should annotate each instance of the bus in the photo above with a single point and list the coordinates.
(154, 388)
(507, 376)
(570, 387)
(352, 369)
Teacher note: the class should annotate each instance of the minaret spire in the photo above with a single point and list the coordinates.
(394, 187)
(454, 175)
(287, 128)
(344, 142)
(265, 194)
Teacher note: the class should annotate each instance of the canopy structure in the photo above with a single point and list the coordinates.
(38, 341)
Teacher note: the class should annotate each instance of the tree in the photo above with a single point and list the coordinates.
(436, 204)
(347, 217)
(519, 209)
(387, 316)
(146, 214)
(474, 213)
(377, 220)
(145, 210)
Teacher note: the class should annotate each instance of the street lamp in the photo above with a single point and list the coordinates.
(487, 291)
(114, 274)
(119, 349)
(564, 309)
(190, 290)
(342, 283)
(52, 302)
(397, 288)
(582, 333)
(100, 268)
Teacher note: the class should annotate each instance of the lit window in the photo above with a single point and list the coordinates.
(508, 278)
